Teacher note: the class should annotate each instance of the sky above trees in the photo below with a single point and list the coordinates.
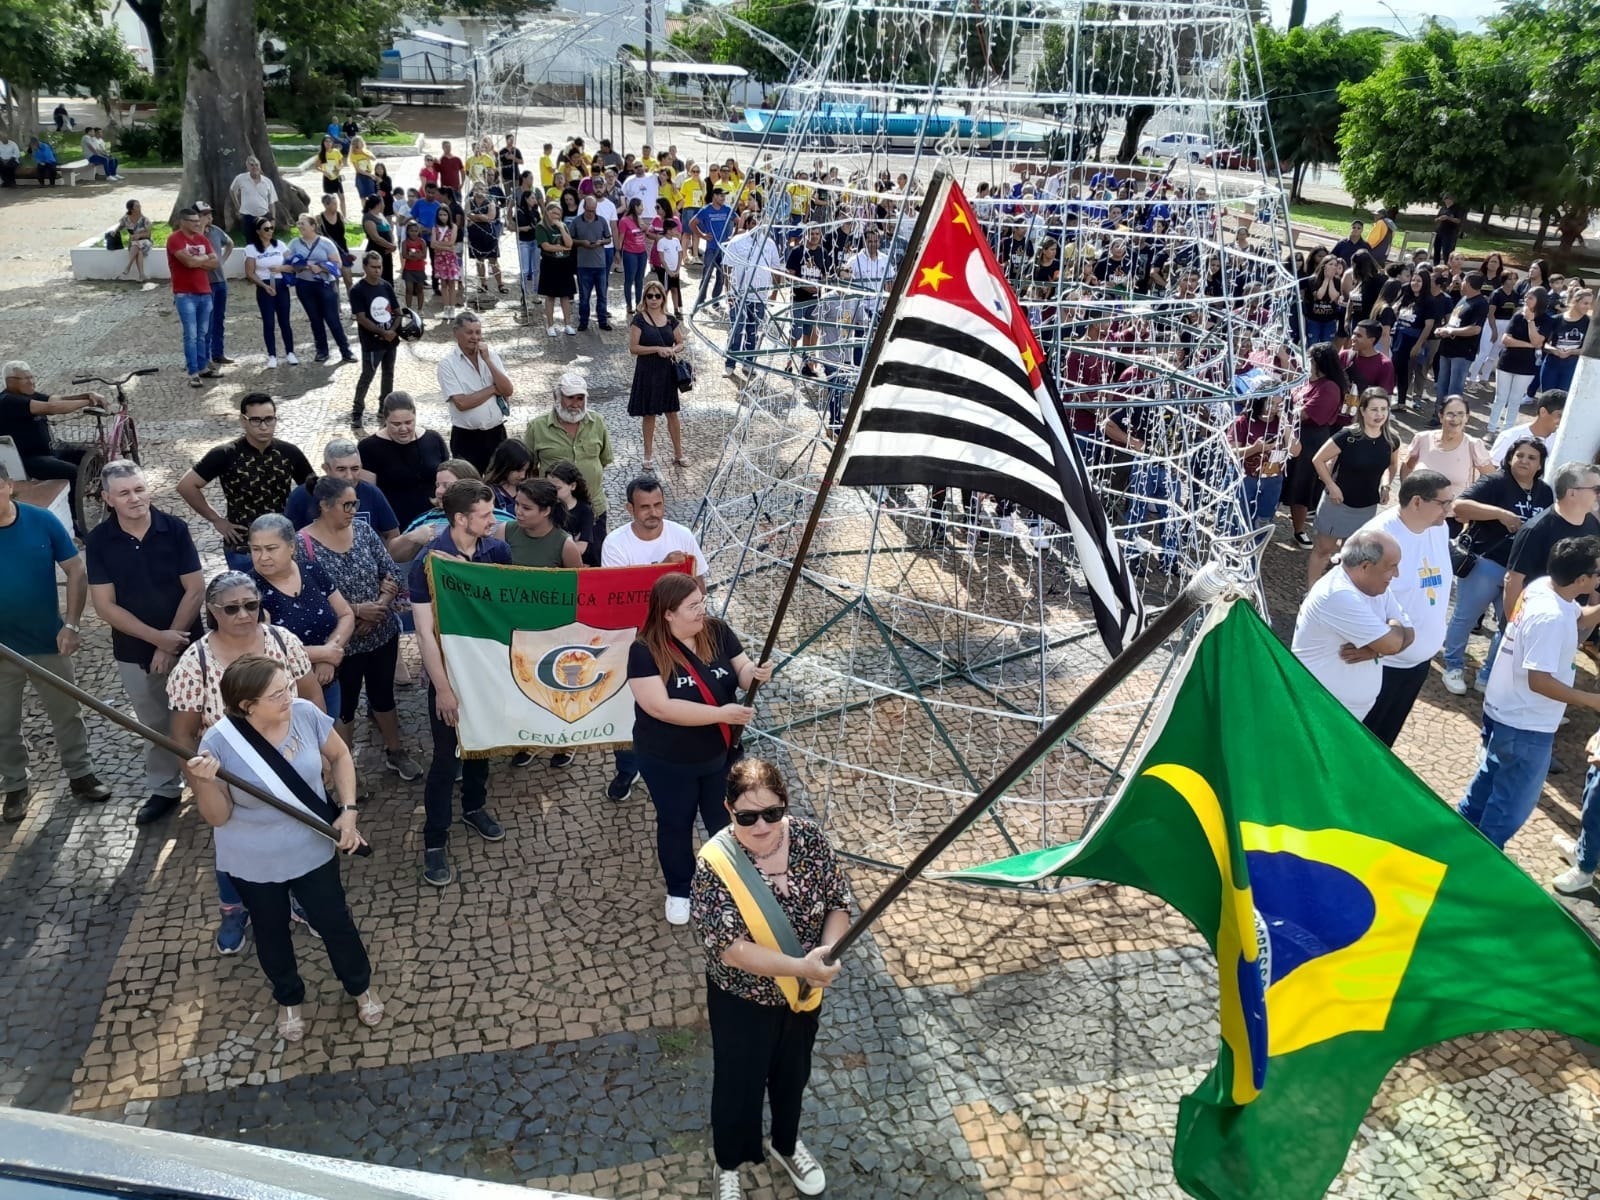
(1354, 14)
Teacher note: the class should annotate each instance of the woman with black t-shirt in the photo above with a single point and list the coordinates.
(1322, 300)
(1363, 282)
(1561, 347)
(685, 672)
(1414, 315)
(1353, 465)
(1524, 333)
(530, 200)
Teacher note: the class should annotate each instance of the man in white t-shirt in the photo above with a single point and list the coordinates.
(1530, 686)
(751, 257)
(477, 390)
(1552, 402)
(644, 187)
(647, 539)
(251, 197)
(1349, 619)
(1421, 589)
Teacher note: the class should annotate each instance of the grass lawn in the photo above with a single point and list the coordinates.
(401, 138)
(1517, 247)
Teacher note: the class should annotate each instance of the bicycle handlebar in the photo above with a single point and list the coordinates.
(116, 383)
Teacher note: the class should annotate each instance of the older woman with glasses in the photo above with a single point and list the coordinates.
(298, 595)
(774, 872)
(233, 619)
(685, 671)
(272, 859)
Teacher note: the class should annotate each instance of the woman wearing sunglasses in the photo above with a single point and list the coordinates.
(234, 628)
(685, 671)
(764, 979)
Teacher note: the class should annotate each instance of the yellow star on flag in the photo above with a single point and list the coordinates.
(960, 218)
(933, 276)
(1028, 361)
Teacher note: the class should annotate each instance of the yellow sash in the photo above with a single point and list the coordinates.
(768, 924)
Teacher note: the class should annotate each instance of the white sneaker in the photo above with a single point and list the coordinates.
(804, 1170)
(1567, 846)
(677, 910)
(728, 1187)
(1455, 682)
(570, 331)
(1480, 683)
(1572, 881)
(291, 359)
(553, 331)
(272, 362)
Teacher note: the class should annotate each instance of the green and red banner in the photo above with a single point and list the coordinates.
(539, 658)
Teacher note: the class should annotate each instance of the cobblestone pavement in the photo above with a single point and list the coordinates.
(546, 1025)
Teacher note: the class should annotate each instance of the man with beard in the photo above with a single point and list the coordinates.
(572, 432)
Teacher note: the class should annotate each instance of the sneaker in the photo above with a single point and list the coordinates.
(357, 418)
(564, 759)
(436, 867)
(230, 935)
(223, 360)
(728, 373)
(1481, 683)
(272, 362)
(321, 358)
(16, 806)
(620, 786)
(728, 1187)
(153, 809)
(1455, 682)
(1572, 881)
(554, 331)
(195, 381)
(582, 328)
(1302, 538)
(212, 370)
(1567, 846)
(402, 764)
(570, 331)
(297, 916)
(523, 758)
(804, 1170)
(677, 910)
(484, 825)
(346, 358)
(291, 359)
(87, 787)
(605, 326)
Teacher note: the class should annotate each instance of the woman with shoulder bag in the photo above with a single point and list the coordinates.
(283, 744)
(685, 671)
(775, 873)
(655, 339)
(318, 268)
(264, 268)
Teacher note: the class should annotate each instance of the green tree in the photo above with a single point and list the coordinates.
(1301, 72)
(100, 61)
(35, 38)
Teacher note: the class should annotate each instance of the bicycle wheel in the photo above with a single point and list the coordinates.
(89, 507)
(129, 447)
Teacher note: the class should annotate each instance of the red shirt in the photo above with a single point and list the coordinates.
(450, 169)
(186, 279)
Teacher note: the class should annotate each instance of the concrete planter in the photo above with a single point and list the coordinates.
(93, 261)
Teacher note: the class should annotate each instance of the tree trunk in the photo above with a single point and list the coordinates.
(224, 110)
(149, 14)
(1297, 181)
(1545, 215)
(1133, 129)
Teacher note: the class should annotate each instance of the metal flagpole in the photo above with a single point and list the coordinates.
(40, 676)
(835, 460)
(1202, 589)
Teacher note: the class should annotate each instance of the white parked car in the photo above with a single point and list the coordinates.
(1192, 146)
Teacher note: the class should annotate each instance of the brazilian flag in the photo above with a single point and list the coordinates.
(1355, 917)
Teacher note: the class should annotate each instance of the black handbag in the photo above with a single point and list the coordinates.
(685, 372)
(1462, 560)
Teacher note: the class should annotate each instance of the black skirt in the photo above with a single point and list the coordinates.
(558, 277)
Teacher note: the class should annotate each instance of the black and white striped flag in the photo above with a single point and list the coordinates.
(956, 397)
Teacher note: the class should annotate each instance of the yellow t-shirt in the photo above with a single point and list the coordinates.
(547, 171)
(480, 167)
(650, 165)
(799, 199)
(333, 167)
(692, 192)
(670, 191)
(362, 161)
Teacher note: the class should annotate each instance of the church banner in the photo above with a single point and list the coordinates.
(539, 658)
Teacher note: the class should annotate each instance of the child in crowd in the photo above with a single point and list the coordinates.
(403, 202)
(669, 251)
(446, 265)
(414, 266)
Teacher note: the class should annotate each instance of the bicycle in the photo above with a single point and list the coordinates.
(114, 437)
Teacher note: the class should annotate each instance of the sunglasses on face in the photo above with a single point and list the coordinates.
(241, 606)
(770, 815)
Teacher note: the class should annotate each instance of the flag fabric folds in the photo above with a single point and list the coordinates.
(957, 397)
(1356, 918)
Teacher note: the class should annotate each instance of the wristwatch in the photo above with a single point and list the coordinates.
(344, 808)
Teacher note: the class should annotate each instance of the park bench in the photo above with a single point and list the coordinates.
(71, 170)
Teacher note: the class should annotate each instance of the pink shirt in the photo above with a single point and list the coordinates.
(632, 236)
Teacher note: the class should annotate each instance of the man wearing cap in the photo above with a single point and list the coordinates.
(222, 247)
(570, 431)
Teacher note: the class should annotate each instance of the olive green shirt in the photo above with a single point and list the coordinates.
(589, 451)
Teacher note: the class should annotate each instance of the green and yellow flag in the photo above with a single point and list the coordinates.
(1355, 917)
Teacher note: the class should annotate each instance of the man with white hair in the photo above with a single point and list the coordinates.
(1349, 620)
(478, 391)
(573, 432)
(342, 459)
(252, 198)
(24, 415)
(145, 582)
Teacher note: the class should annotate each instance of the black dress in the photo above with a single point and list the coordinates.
(655, 379)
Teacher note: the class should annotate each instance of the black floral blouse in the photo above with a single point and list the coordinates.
(816, 887)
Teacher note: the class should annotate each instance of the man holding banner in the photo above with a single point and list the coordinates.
(469, 510)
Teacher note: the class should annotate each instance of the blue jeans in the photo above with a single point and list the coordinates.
(592, 279)
(1589, 823)
(633, 269)
(1505, 791)
(1475, 592)
(627, 763)
(219, 310)
(226, 892)
(105, 162)
(748, 317)
(194, 311)
(1321, 331)
(680, 791)
(1261, 498)
(276, 308)
(528, 256)
(331, 696)
(1154, 503)
(712, 268)
(1452, 377)
(321, 303)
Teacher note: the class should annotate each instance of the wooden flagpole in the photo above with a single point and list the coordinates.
(1202, 589)
(44, 678)
(869, 364)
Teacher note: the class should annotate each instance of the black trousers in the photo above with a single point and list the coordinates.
(374, 669)
(321, 896)
(756, 1050)
(375, 362)
(61, 463)
(476, 445)
(1401, 687)
(439, 785)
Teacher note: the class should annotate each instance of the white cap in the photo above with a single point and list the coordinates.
(572, 383)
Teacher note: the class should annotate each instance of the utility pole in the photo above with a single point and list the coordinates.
(1578, 437)
(649, 74)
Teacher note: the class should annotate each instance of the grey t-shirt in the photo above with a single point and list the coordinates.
(593, 230)
(218, 240)
(258, 843)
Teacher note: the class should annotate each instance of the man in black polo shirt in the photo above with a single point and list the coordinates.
(145, 582)
(24, 418)
(257, 473)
